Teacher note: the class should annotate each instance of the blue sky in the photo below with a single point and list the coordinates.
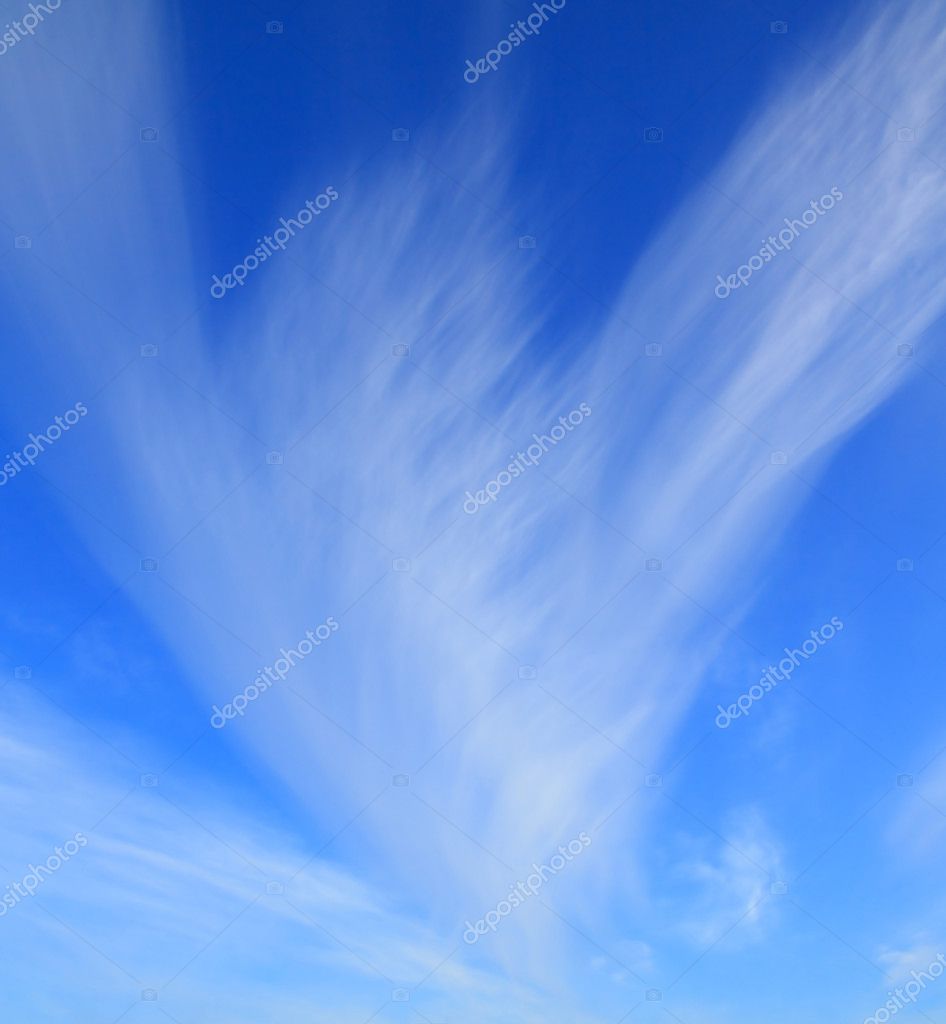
(550, 447)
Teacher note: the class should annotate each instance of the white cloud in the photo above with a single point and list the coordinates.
(662, 458)
(733, 883)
